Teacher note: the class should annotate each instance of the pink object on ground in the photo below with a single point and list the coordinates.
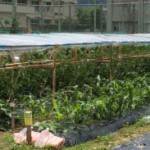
(20, 137)
(47, 139)
(55, 141)
(41, 140)
(35, 136)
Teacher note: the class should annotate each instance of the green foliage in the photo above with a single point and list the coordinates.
(4, 115)
(85, 17)
(140, 123)
(75, 107)
(14, 25)
(104, 139)
(84, 92)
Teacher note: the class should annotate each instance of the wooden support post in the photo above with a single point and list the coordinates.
(29, 138)
(118, 59)
(12, 106)
(12, 120)
(74, 54)
(120, 54)
(101, 51)
(54, 72)
(88, 53)
(111, 65)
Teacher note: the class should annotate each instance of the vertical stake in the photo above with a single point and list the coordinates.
(28, 123)
(12, 121)
(101, 51)
(74, 54)
(54, 72)
(12, 105)
(29, 139)
(88, 53)
(110, 68)
(120, 48)
(119, 59)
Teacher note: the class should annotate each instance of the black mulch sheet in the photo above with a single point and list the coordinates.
(141, 143)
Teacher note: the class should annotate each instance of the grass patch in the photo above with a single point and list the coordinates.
(106, 142)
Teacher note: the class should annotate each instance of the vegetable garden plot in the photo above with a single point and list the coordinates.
(81, 77)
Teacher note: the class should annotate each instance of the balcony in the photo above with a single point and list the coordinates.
(25, 9)
(7, 8)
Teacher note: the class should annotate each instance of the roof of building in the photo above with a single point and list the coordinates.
(11, 41)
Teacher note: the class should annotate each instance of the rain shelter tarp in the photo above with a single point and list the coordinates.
(11, 41)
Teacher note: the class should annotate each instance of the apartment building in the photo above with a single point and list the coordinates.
(129, 16)
(31, 13)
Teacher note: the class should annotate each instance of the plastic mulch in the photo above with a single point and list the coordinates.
(141, 143)
(77, 136)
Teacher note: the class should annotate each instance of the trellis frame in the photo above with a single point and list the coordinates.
(74, 59)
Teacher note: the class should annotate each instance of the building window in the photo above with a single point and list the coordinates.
(56, 21)
(56, 14)
(7, 1)
(34, 21)
(116, 26)
(6, 22)
(61, 3)
(47, 22)
(35, 2)
(1, 23)
(22, 1)
(47, 3)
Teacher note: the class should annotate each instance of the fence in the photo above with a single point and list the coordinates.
(111, 17)
(70, 18)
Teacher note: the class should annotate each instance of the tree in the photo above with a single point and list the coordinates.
(14, 25)
(100, 18)
(70, 23)
(86, 17)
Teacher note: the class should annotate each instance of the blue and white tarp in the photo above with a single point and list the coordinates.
(11, 41)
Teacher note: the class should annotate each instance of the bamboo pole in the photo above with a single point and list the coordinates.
(29, 137)
(43, 63)
(50, 64)
(54, 72)
(38, 66)
(88, 52)
(136, 56)
(120, 51)
(101, 51)
(132, 56)
(11, 93)
(111, 65)
(12, 106)
(74, 54)
(119, 59)
(29, 63)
